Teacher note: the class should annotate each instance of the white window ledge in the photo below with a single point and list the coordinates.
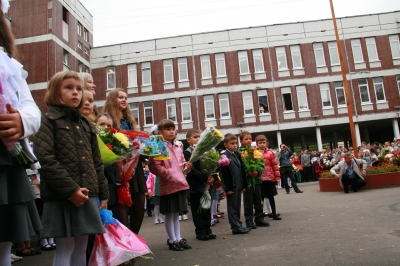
(366, 103)
(288, 111)
(304, 110)
(168, 82)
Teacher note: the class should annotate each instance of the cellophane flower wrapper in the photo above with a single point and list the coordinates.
(154, 146)
(117, 245)
(126, 173)
(208, 140)
(253, 161)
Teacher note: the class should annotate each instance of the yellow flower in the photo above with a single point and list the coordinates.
(257, 154)
(218, 134)
(244, 154)
(122, 138)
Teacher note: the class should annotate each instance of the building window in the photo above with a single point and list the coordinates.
(224, 105)
(325, 95)
(371, 49)
(168, 71)
(209, 106)
(302, 97)
(281, 58)
(220, 65)
(80, 45)
(287, 99)
(85, 35)
(296, 56)
(85, 50)
(333, 53)
(357, 52)
(379, 91)
(65, 15)
(186, 111)
(171, 109)
(80, 67)
(340, 95)
(364, 92)
(111, 78)
(132, 75)
(205, 67)
(263, 101)
(65, 58)
(87, 70)
(148, 113)
(258, 61)
(248, 103)
(394, 46)
(319, 54)
(183, 70)
(398, 82)
(243, 62)
(146, 73)
(135, 111)
(79, 29)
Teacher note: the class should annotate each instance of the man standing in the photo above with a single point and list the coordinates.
(349, 173)
(286, 169)
(306, 163)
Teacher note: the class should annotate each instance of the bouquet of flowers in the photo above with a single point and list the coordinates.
(209, 138)
(295, 169)
(154, 146)
(253, 161)
(314, 160)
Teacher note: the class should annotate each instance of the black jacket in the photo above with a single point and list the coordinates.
(195, 178)
(228, 182)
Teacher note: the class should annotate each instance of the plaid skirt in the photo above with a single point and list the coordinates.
(173, 203)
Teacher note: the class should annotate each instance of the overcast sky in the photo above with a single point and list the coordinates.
(121, 21)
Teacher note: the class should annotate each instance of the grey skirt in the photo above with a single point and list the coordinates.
(173, 203)
(155, 200)
(64, 219)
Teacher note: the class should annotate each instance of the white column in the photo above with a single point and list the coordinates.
(303, 142)
(279, 138)
(396, 128)
(358, 137)
(319, 139)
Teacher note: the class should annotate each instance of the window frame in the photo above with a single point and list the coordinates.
(394, 42)
(172, 104)
(383, 88)
(65, 58)
(375, 51)
(243, 55)
(333, 46)
(152, 112)
(79, 29)
(262, 93)
(398, 82)
(132, 78)
(248, 95)
(182, 62)
(293, 52)
(302, 89)
(281, 50)
(327, 89)
(207, 100)
(205, 59)
(80, 45)
(356, 49)
(221, 59)
(86, 50)
(134, 107)
(261, 60)
(321, 51)
(111, 71)
(168, 63)
(85, 34)
(220, 101)
(146, 68)
(184, 102)
(360, 86)
(337, 88)
(284, 91)
(80, 67)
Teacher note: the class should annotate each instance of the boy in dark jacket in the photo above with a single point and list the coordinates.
(198, 182)
(234, 182)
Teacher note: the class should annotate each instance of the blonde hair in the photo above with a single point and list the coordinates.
(111, 108)
(53, 93)
(85, 78)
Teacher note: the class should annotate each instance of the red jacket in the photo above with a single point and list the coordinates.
(271, 172)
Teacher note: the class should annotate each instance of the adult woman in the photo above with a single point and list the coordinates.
(88, 82)
(117, 107)
(296, 161)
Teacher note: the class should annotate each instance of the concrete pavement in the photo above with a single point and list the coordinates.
(317, 228)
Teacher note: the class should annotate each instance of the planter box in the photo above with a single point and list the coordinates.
(373, 181)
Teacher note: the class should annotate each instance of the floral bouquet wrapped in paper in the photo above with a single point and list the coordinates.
(154, 146)
(253, 161)
(209, 138)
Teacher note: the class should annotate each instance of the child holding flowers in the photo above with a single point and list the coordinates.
(254, 166)
(72, 175)
(172, 185)
(271, 174)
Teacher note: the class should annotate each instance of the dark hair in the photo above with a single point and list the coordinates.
(6, 36)
(192, 132)
(243, 133)
(166, 123)
(228, 137)
(261, 138)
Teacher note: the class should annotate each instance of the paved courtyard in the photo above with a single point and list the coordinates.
(317, 228)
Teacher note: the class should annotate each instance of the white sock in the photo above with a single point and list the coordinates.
(169, 226)
(51, 240)
(79, 254)
(65, 248)
(177, 227)
(44, 242)
(267, 205)
(214, 205)
(157, 211)
(5, 253)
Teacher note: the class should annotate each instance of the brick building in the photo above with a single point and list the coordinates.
(52, 35)
(280, 80)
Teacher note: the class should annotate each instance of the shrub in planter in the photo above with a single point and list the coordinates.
(326, 174)
(383, 168)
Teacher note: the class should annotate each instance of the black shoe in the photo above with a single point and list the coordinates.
(203, 237)
(150, 215)
(212, 236)
(346, 191)
(299, 191)
(184, 244)
(267, 214)
(262, 224)
(355, 190)
(271, 215)
(240, 231)
(251, 226)
(175, 246)
(287, 192)
(276, 217)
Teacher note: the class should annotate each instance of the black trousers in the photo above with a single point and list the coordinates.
(286, 172)
(201, 219)
(355, 182)
(252, 197)
(307, 173)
